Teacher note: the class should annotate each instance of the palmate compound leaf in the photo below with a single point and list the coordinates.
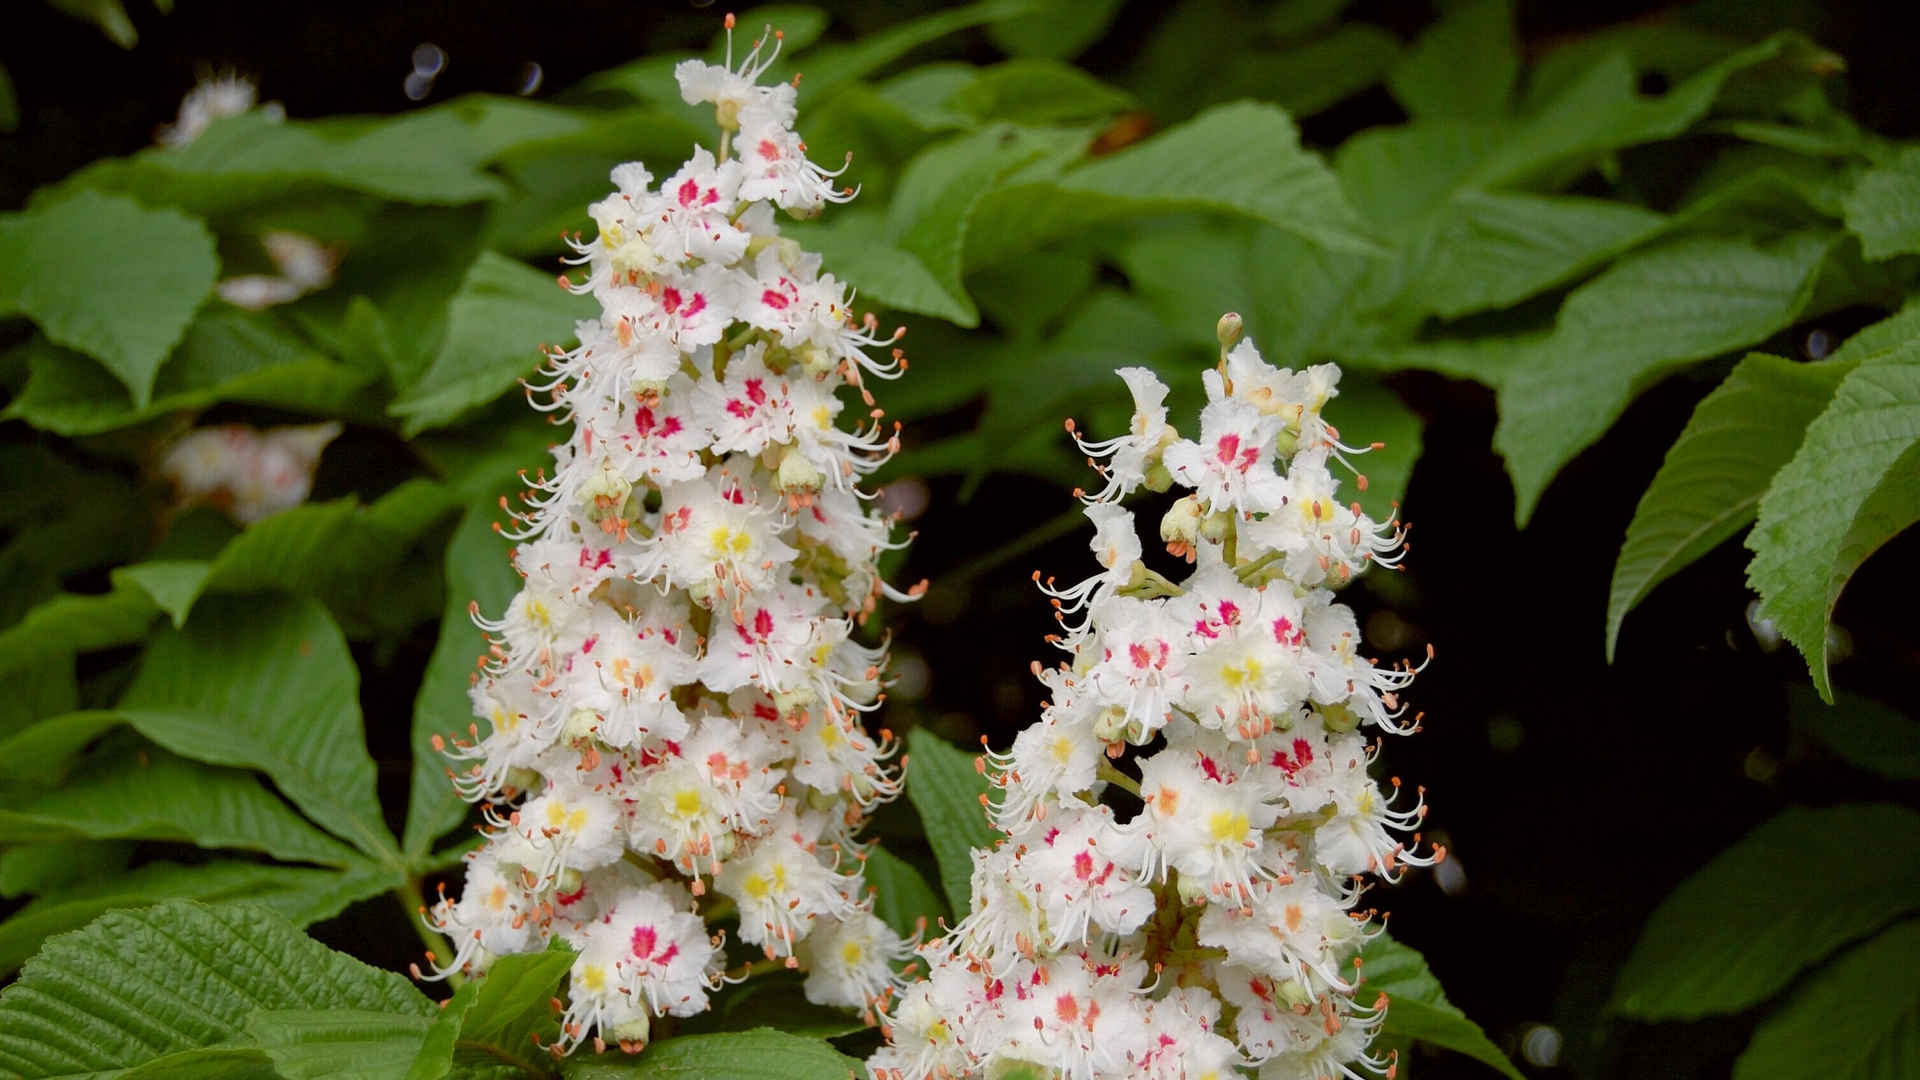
(731, 1055)
(1418, 1009)
(1853, 485)
(164, 266)
(1787, 895)
(947, 789)
(137, 986)
(1710, 485)
(1857, 1019)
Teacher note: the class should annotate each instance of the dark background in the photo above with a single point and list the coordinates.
(1573, 795)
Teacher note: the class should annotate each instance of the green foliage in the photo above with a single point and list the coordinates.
(1863, 733)
(949, 792)
(495, 1020)
(901, 897)
(50, 265)
(734, 1055)
(1787, 896)
(1830, 1029)
(1884, 209)
(1418, 1010)
(163, 981)
(1711, 483)
(500, 307)
(1849, 489)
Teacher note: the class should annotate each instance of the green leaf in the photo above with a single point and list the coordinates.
(1884, 209)
(227, 355)
(1849, 489)
(1600, 110)
(38, 868)
(1315, 75)
(1418, 1009)
(1074, 365)
(1858, 1019)
(1243, 159)
(268, 684)
(72, 623)
(1862, 732)
(1649, 313)
(1710, 485)
(902, 898)
(1368, 412)
(777, 997)
(493, 1020)
(299, 895)
(934, 203)
(732, 1055)
(47, 688)
(50, 260)
(477, 573)
(136, 985)
(338, 1044)
(1494, 249)
(1292, 18)
(503, 311)
(1038, 92)
(1057, 29)
(409, 265)
(1295, 296)
(1465, 65)
(831, 66)
(1788, 894)
(948, 791)
(854, 247)
(224, 1062)
(153, 795)
(174, 584)
(554, 180)
(428, 157)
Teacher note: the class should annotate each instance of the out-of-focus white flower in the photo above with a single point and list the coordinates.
(1209, 931)
(678, 692)
(213, 97)
(245, 471)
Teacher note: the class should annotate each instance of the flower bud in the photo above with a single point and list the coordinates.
(1110, 724)
(633, 1030)
(1228, 330)
(797, 475)
(1181, 523)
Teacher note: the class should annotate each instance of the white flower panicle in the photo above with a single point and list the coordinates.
(672, 709)
(1211, 930)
